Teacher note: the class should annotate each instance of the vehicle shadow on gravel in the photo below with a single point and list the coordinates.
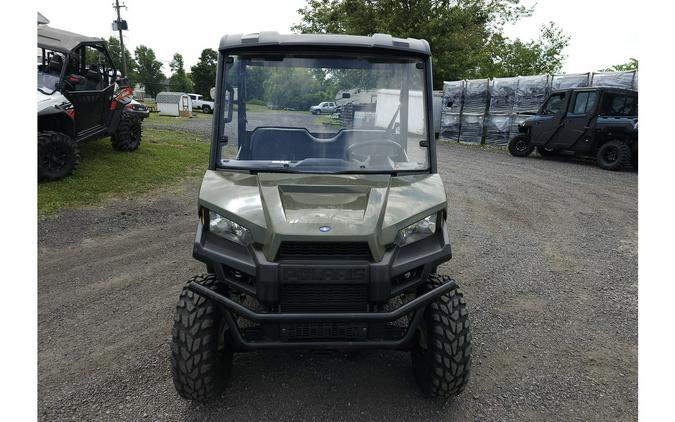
(284, 386)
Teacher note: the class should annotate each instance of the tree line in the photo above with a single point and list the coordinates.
(144, 68)
(467, 40)
(466, 37)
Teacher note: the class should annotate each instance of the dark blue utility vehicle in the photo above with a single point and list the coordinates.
(596, 122)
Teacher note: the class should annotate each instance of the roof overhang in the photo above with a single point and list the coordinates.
(381, 42)
(64, 41)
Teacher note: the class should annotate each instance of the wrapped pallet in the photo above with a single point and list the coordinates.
(570, 80)
(497, 129)
(614, 79)
(503, 94)
(531, 93)
(635, 81)
(476, 96)
(450, 125)
(452, 96)
(471, 129)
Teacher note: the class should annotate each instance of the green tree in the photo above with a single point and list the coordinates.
(505, 57)
(179, 79)
(465, 35)
(204, 72)
(631, 64)
(149, 70)
(292, 87)
(115, 51)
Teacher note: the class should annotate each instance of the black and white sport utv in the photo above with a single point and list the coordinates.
(80, 97)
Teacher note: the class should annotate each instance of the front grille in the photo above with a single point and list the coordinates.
(324, 298)
(304, 250)
(321, 330)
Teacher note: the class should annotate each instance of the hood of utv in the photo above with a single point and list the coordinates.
(278, 207)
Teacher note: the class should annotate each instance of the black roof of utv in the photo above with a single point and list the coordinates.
(325, 42)
(63, 41)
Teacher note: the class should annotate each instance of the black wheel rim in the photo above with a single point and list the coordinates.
(611, 155)
(135, 134)
(55, 158)
(521, 146)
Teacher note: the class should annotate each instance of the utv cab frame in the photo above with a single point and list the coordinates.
(596, 122)
(80, 97)
(319, 238)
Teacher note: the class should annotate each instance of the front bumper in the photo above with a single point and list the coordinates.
(142, 114)
(413, 310)
(247, 270)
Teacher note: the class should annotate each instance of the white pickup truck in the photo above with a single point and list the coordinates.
(199, 103)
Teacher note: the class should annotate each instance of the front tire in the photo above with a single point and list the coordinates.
(206, 109)
(58, 155)
(441, 354)
(128, 135)
(520, 146)
(613, 155)
(201, 353)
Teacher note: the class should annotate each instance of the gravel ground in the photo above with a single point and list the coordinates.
(546, 252)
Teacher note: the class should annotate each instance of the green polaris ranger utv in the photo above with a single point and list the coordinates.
(318, 232)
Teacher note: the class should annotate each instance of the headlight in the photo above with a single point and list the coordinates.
(417, 231)
(228, 229)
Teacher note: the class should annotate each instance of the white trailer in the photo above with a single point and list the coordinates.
(387, 104)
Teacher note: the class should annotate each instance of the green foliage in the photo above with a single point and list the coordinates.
(149, 70)
(204, 72)
(115, 51)
(631, 64)
(165, 157)
(512, 58)
(180, 82)
(465, 36)
(294, 88)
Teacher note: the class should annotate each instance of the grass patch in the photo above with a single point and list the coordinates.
(171, 120)
(326, 120)
(164, 157)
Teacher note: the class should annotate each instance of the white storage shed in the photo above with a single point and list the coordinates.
(174, 104)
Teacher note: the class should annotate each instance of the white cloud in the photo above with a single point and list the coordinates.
(603, 33)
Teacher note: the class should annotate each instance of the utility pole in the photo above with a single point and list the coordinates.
(117, 7)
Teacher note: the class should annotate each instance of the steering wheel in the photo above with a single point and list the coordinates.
(395, 147)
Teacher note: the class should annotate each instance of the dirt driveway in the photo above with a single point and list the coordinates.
(545, 250)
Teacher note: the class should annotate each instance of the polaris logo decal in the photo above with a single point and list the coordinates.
(324, 229)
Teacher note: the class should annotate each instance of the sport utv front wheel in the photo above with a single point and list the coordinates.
(441, 354)
(520, 146)
(201, 353)
(58, 155)
(128, 134)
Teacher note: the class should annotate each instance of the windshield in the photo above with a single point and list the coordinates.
(324, 114)
(50, 64)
